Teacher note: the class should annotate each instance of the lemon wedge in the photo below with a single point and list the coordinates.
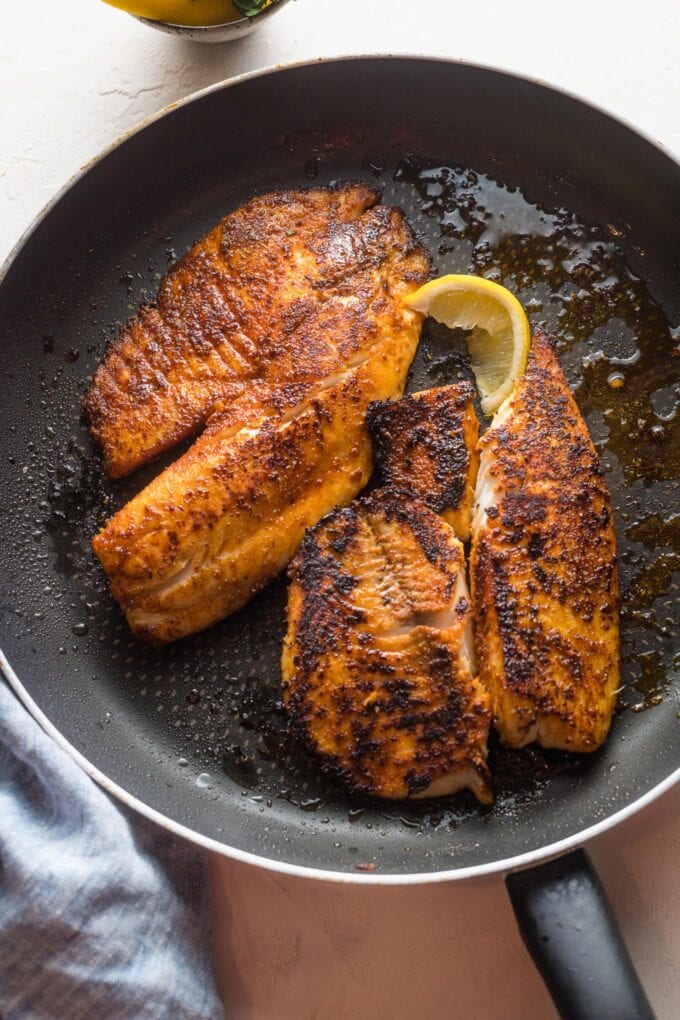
(499, 342)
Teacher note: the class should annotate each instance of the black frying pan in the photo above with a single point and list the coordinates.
(576, 213)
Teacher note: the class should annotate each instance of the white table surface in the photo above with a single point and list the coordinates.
(75, 74)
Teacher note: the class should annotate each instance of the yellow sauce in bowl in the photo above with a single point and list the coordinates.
(182, 12)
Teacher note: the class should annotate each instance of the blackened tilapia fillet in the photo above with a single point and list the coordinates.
(378, 665)
(226, 517)
(287, 286)
(544, 567)
(425, 445)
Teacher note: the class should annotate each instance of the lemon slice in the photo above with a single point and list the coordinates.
(500, 337)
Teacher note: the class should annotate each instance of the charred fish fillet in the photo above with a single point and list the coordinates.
(317, 278)
(426, 446)
(544, 568)
(223, 520)
(378, 664)
(288, 285)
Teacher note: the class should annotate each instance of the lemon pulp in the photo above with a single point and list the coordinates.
(500, 333)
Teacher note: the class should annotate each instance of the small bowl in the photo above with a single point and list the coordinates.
(226, 32)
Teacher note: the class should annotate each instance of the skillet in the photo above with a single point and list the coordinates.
(574, 211)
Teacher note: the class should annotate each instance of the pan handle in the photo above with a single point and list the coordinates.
(568, 927)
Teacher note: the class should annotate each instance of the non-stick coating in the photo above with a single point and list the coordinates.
(161, 724)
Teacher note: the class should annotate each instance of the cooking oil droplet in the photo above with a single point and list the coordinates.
(80, 629)
(615, 380)
(311, 804)
(312, 169)
(203, 780)
(665, 402)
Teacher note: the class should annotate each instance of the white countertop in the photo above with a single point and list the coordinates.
(73, 76)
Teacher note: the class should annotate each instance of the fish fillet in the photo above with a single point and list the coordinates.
(544, 568)
(378, 663)
(426, 446)
(218, 524)
(316, 280)
(281, 288)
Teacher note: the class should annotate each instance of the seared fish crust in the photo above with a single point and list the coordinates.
(274, 292)
(426, 445)
(377, 665)
(280, 450)
(223, 520)
(544, 568)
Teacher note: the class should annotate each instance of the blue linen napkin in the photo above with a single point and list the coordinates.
(102, 913)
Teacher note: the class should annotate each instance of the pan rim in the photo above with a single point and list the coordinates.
(271, 69)
(516, 862)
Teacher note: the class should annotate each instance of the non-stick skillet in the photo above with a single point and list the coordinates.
(575, 212)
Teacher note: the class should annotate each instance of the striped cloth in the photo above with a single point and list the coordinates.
(102, 913)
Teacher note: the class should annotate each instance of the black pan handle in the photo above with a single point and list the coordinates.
(568, 927)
